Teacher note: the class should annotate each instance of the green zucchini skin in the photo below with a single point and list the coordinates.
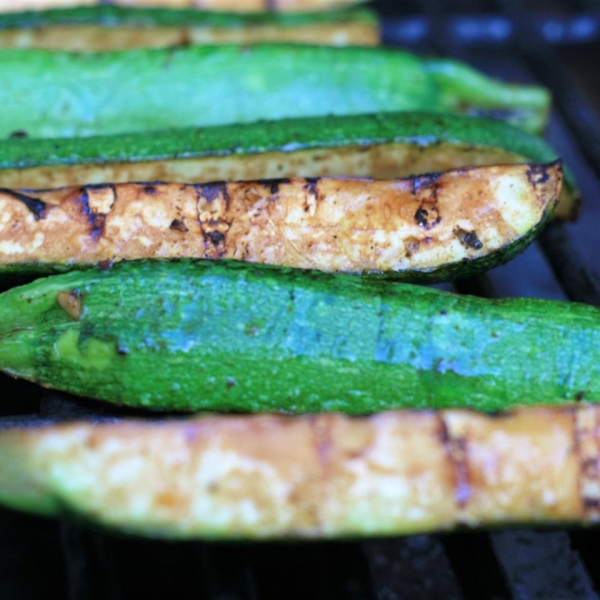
(419, 129)
(188, 336)
(60, 94)
(121, 16)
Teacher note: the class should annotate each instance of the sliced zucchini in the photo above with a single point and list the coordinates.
(325, 476)
(106, 27)
(383, 146)
(430, 227)
(49, 94)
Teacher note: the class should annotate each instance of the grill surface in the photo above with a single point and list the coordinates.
(551, 42)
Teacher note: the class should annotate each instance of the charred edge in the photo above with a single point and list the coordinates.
(274, 188)
(468, 239)
(96, 220)
(311, 186)
(456, 450)
(36, 206)
(427, 180)
(537, 174)
(211, 191)
(150, 190)
(178, 226)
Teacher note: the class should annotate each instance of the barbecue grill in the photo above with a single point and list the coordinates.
(553, 43)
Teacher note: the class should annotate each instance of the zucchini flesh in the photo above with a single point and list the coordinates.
(102, 28)
(58, 94)
(432, 227)
(324, 476)
(381, 146)
(188, 336)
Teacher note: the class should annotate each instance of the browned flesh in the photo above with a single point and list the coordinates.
(326, 223)
(95, 39)
(330, 475)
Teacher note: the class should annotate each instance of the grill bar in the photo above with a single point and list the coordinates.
(542, 565)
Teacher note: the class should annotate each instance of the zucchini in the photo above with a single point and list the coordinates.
(431, 227)
(219, 5)
(48, 94)
(382, 146)
(188, 336)
(322, 476)
(106, 27)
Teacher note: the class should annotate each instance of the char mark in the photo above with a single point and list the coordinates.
(212, 191)
(468, 239)
(537, 174)
(95, 220)
(311, 186)
(36, 206)
(457, 452)
(178, 226)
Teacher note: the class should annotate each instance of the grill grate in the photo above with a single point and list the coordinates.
(508, 38)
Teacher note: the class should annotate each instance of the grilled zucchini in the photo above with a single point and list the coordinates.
(220, 5)
(48, 94)
(325, 476)
(431, 227)
(382, 146)
(105, 27)
(208, 336)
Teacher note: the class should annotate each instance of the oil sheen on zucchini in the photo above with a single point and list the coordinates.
(213, 336)
(318, 476)
(106, 27)
(47, 94)
(382, 146)
(431, 227)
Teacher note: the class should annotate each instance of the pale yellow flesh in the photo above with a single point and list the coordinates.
(220, 5)
(96, 39)
(317, 476)
(380, 161)
(331, 224)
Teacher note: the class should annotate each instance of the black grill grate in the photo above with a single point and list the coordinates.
(523, 41)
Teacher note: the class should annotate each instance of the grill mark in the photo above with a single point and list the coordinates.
(96, 220)
(588, 452)
(36, 206)
(427, 215)
(456, 450)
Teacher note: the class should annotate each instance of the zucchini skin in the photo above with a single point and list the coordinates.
(25, 163)
(188, 336)
(59, 96)
(309, 477)
(429, 228)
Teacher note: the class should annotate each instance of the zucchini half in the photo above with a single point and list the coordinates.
(221, 336)
(218, 5)
(383, 146)
(431, 227)
(47, 94)
(105, 27)
(323, 476)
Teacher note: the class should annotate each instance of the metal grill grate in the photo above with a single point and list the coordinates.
(508, 38)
